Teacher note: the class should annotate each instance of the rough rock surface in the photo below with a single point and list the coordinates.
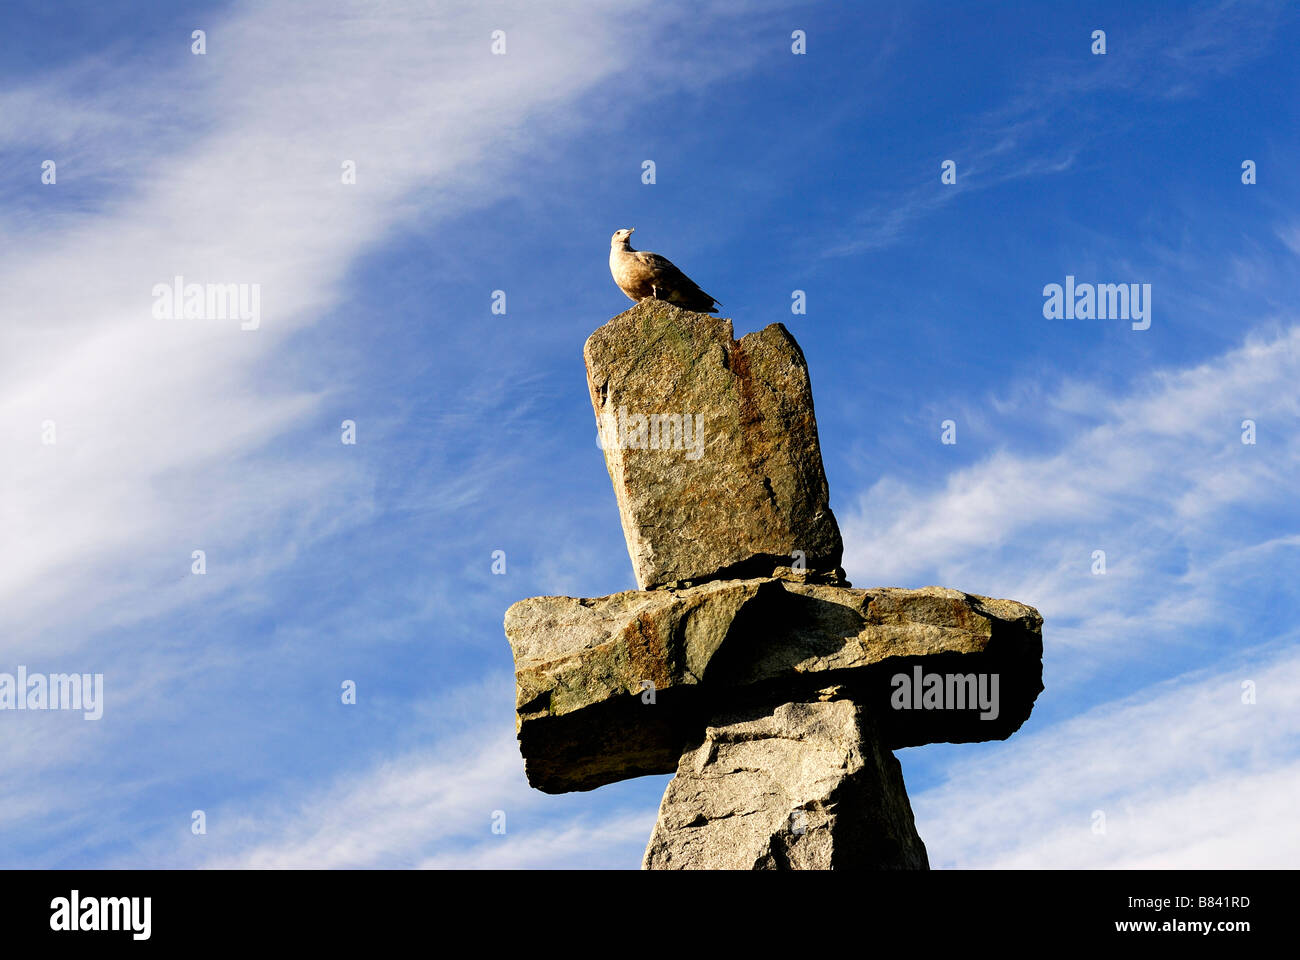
(583, 667)
(807, 786)
(746, 489)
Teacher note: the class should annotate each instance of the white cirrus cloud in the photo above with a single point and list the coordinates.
(1183, 774)
(1194, 523)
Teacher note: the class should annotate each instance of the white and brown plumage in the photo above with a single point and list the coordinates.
(641, 274)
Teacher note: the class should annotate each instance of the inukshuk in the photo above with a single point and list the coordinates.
(746, 663)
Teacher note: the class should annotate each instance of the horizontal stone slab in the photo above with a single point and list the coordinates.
(614, 687)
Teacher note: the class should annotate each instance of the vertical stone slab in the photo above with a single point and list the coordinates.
(805, 787)
(711, 444)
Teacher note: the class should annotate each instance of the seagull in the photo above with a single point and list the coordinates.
(641, 275)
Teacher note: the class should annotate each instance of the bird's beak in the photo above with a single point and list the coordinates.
(631, 229)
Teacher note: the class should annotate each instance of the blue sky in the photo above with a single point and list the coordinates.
(774, 172)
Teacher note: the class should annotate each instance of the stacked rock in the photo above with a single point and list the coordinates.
(746, 663)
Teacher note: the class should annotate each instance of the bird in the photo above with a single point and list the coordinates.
(643, 275)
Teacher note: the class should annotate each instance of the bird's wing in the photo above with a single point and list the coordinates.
(665, 271)
(668, 277)
(660, 266)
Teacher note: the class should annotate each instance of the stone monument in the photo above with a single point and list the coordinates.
(746, 664)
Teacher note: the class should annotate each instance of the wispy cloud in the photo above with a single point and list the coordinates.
(393, 815)
(434, 807)
(1183, 775)
(1159, 480)
(147, 411)
(176, 435)
(1168, 58)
